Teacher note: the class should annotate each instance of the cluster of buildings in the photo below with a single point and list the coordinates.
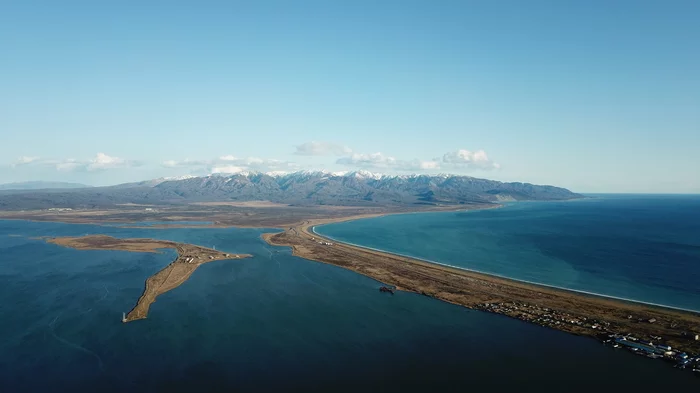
(655, 351)
(564, 321)
(322, 242)
(189, 259)
(60, 209)
(542, 315)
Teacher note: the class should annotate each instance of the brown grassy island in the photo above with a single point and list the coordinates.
(189, 258)
(570, 311)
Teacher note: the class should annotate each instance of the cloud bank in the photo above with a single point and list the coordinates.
(100, 162)
(466, 158)
(456, 160)
(460, 160)
(230, 164)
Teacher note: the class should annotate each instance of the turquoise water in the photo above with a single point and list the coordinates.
(273, 322)
(644, 248)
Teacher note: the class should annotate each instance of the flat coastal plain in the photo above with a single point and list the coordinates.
(189, 258)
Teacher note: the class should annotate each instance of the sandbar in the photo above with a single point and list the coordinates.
(189, 258)
(569, 311)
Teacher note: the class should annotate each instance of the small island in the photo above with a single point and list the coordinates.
(189, 258)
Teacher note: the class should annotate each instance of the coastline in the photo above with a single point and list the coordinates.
(576, 312)
(594, 315)
(189, 258)
(576, 291)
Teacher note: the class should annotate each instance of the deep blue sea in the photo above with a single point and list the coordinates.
(638, 247)
(273, 322)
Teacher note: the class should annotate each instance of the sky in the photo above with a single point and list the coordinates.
(595, 96)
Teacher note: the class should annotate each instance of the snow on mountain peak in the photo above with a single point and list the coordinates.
(277, 173)
(363, 174)
(176, 178)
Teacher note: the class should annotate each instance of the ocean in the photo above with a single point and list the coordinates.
(637, 247)
(273, 322)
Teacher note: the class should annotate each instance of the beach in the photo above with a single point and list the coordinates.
(565, 310)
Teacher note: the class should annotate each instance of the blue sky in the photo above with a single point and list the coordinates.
(596, 96)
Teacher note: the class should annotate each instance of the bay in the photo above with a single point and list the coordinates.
(273, 322)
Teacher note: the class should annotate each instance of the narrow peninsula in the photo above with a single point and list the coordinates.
(189, 258)
(569, 311)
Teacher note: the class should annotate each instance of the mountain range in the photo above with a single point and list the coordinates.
(359, 188)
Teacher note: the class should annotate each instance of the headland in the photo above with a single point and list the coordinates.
(189, 258)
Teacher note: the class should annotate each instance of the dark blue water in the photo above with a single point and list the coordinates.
(645, 248)
(273, 322)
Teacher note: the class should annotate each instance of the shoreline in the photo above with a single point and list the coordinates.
(576, 291)
(189, 258)
(572, 311)
(257, 218)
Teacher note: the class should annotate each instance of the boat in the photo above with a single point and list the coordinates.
(123, 317)
(386, 289)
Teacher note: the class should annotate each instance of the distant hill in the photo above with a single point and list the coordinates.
(359, 188)
(40, 185)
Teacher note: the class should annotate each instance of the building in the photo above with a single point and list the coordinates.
(638, 346)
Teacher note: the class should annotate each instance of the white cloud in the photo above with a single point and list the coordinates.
(372, 160)
(66, 165)
(458, 160)
(103, 161)
(381, 161)
(428, 165)
(314, 148)
(468, 159)
(227, 169)
(184, 163)
(25, 160)
(100, 162)
(231, 164)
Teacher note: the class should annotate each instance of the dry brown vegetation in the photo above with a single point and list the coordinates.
(539, 304)
(189, 258)
(255, 214)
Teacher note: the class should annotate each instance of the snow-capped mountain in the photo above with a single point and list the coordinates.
(299, 188)
(357, 187)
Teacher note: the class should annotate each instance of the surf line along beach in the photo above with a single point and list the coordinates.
(189, 258)
(561, 309)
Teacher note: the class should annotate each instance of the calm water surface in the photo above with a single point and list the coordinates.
(273, 322)
(645, 248)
